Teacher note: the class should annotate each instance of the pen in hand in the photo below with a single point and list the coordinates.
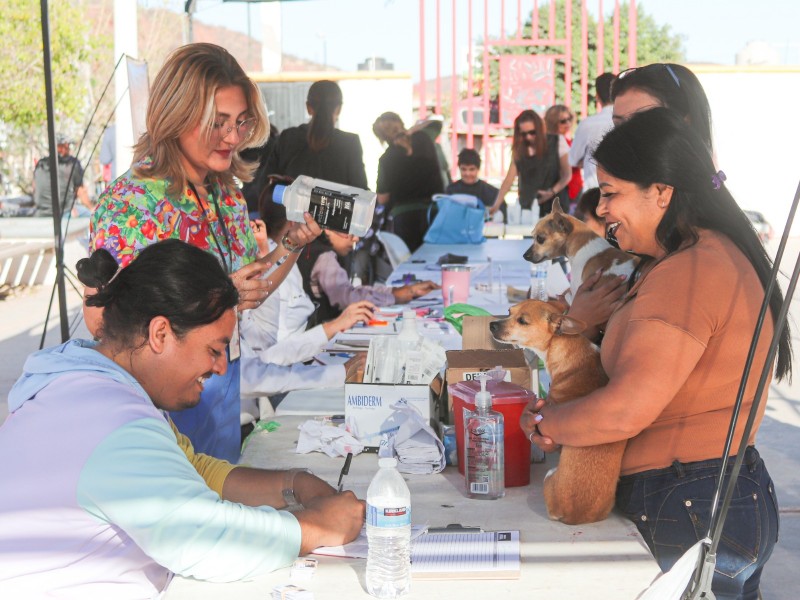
(345, 470)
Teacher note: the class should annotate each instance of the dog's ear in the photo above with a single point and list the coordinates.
(557, 207)
(561, 222)
(565, 325)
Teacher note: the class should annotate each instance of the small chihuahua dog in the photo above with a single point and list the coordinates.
(559, 234)
(583, 487)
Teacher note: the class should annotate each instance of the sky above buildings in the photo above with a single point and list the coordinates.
(343, 33)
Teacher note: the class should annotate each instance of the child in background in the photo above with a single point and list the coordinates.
(469, 164)
(327, 283)
(586, 211)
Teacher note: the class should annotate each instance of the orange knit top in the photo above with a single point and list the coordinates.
(689, 321)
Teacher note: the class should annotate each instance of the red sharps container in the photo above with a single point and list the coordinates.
(509, 399)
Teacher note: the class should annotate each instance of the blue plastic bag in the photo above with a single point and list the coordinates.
(459, 220)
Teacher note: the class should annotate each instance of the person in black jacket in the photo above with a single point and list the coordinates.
(318, 149)
(408, 177)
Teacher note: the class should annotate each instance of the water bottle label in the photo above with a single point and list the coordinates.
(476, 487)
(379, 516)
(331, 209)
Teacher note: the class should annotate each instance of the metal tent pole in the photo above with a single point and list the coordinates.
(51, 135)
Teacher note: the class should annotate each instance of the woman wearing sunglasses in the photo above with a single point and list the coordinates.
(541, 162)
(202, 112)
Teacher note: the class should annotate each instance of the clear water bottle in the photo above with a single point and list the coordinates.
(334, 206)
(409, 333)
(484, 455)
(388, 532)
(539, 281)
(409, 340)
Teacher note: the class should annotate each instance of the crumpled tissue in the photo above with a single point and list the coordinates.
(417, 447)
(317, 436)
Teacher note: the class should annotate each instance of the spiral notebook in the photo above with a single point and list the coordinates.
(479, 555)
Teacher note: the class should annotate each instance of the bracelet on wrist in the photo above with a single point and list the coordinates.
(287, 243)
(292, 503)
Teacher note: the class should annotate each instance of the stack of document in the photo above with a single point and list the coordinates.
(419, 454)
(291, 592)
(415, 445)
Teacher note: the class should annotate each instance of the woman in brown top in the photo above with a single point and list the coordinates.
(674, 351)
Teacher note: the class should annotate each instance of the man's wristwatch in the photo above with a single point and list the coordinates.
(287, 243)
(292, 503)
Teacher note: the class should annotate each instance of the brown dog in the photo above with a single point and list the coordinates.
(559, 234)
(582, 488)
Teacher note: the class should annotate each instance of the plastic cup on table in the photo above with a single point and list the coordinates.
(455, 283)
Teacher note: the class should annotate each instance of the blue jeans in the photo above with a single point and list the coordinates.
(214, 426)
(671, 507)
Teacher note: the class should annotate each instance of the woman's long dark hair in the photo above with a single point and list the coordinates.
(658, 146)
(675, 87)
(518, 142)
(325, 97)
(170, 278)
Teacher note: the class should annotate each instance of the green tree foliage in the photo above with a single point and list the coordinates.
(655, 43)
(22, 95)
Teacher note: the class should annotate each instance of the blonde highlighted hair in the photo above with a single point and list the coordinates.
(181, 98)
(389, 129)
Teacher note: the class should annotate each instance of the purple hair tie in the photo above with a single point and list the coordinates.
(718, 179)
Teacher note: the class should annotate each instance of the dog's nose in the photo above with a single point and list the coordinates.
(493, 326)
(528, 255)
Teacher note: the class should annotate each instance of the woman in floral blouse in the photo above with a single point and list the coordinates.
(202, 112)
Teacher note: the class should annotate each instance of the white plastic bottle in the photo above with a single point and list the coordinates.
(539, 281)
(388, 533)
(484, 468)
(409, 334)
(409, 340)
(334, 206)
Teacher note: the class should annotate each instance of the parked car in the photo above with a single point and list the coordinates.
(761, 225)
(17, 206)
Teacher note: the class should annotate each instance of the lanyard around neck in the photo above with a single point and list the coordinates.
(221, 221)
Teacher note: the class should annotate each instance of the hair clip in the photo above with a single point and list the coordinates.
(114, 276)
(718, 179)
(671, 72)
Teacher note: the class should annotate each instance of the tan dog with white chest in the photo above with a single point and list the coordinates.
(559, 234)
(583, 487)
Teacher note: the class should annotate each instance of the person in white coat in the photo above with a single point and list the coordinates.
(591, 130)
(276, 344)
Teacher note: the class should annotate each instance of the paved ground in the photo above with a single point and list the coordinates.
(22, 318)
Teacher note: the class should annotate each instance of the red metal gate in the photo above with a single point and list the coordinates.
(482, 120)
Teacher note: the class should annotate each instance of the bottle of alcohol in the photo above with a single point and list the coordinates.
(484, 456)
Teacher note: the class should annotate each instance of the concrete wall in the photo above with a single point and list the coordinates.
(756, 135)
(366, 94)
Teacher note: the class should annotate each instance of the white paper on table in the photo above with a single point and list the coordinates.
(335, 441)
(390, 328)
(359, 547)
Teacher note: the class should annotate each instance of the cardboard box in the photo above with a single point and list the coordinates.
(475, 334)
(465, 365)
(368, 412)
(481, 353)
